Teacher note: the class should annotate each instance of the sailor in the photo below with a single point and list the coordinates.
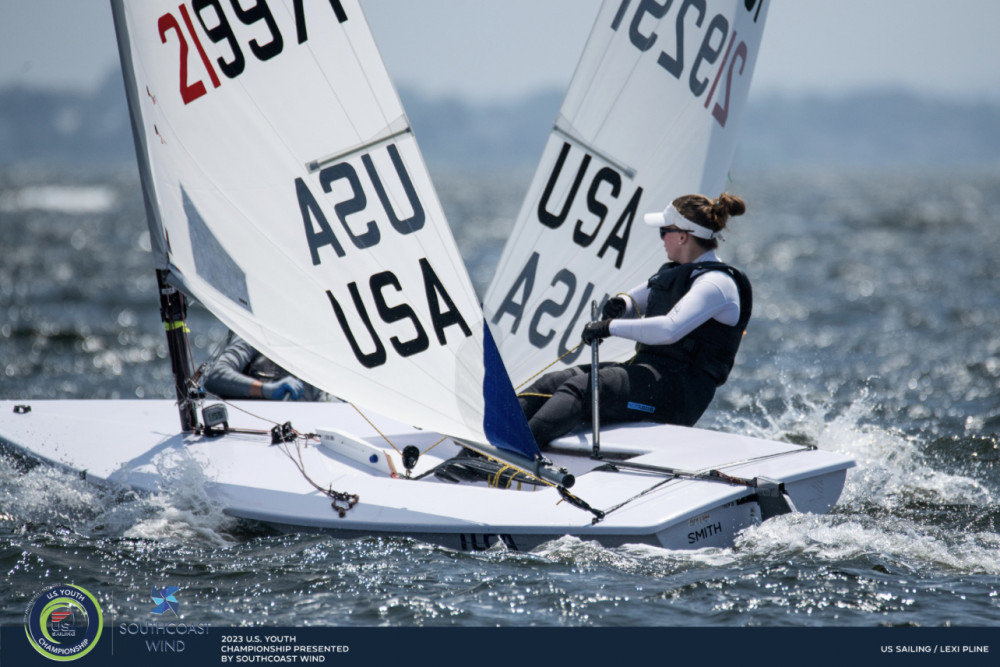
(241, 371)
(687, 320)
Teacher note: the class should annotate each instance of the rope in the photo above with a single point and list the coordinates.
(495, 482)
(365, 417)
(635, 304)
(384, 437)
(342, 502)
(248, 413)
(517, 470)
(577, 502)
(574, 349)
(568, 352)
(638, 495)
(435, 445)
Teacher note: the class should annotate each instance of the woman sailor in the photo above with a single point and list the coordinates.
(687, 321)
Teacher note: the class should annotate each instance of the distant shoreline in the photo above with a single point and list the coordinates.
(873, 128)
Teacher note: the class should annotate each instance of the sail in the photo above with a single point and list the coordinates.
(286, 192)
(652, 113)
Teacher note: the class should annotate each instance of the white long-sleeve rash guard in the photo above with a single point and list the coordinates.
(713, 294)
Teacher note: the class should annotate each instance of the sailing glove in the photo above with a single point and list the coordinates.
(596, 331)
(286, 387)
(614, 307)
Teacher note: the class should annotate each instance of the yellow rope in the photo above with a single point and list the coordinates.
(574, 349)
(521, 471)
(495, 482)
(638, 312)
(363, 416)
(569, 352)
(434, 445)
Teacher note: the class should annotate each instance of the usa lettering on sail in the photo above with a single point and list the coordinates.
(604, 228)
(397, 320)
(540, 328)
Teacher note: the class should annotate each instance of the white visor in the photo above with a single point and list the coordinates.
(670, 216)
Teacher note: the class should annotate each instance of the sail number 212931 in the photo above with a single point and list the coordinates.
(718, 40)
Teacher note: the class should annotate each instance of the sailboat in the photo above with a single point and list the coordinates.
(285, 192)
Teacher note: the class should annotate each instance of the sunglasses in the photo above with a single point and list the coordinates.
(666, 230)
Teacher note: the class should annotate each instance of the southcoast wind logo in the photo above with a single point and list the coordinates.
(64, 622)
(165, 635)
(165, 600)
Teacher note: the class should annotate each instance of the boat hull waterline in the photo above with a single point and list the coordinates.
(138, 445)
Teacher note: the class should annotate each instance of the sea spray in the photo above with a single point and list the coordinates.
(182, 510)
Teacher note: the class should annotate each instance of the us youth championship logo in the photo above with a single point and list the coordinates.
(64, 622)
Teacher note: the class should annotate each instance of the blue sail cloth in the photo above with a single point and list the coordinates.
(504, 423)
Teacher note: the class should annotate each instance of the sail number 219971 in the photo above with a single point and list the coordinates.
(217, 27)
(718, 41)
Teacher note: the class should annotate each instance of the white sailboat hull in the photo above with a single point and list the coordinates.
(138, 444)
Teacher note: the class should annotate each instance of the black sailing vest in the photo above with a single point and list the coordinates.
(713, 345)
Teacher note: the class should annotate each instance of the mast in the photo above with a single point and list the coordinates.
(595, 404)
(173, 309)
(173, 313)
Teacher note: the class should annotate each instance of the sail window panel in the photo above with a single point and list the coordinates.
(212, 262)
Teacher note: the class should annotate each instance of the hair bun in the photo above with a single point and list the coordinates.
(709, 213)
(727, 205)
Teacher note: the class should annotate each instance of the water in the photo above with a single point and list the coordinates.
(875, 334)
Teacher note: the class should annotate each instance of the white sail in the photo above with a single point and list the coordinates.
(652, 113)
(287, 194)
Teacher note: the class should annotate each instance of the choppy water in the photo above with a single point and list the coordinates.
(876, 333)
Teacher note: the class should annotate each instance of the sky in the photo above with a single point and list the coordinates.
(490, 50)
